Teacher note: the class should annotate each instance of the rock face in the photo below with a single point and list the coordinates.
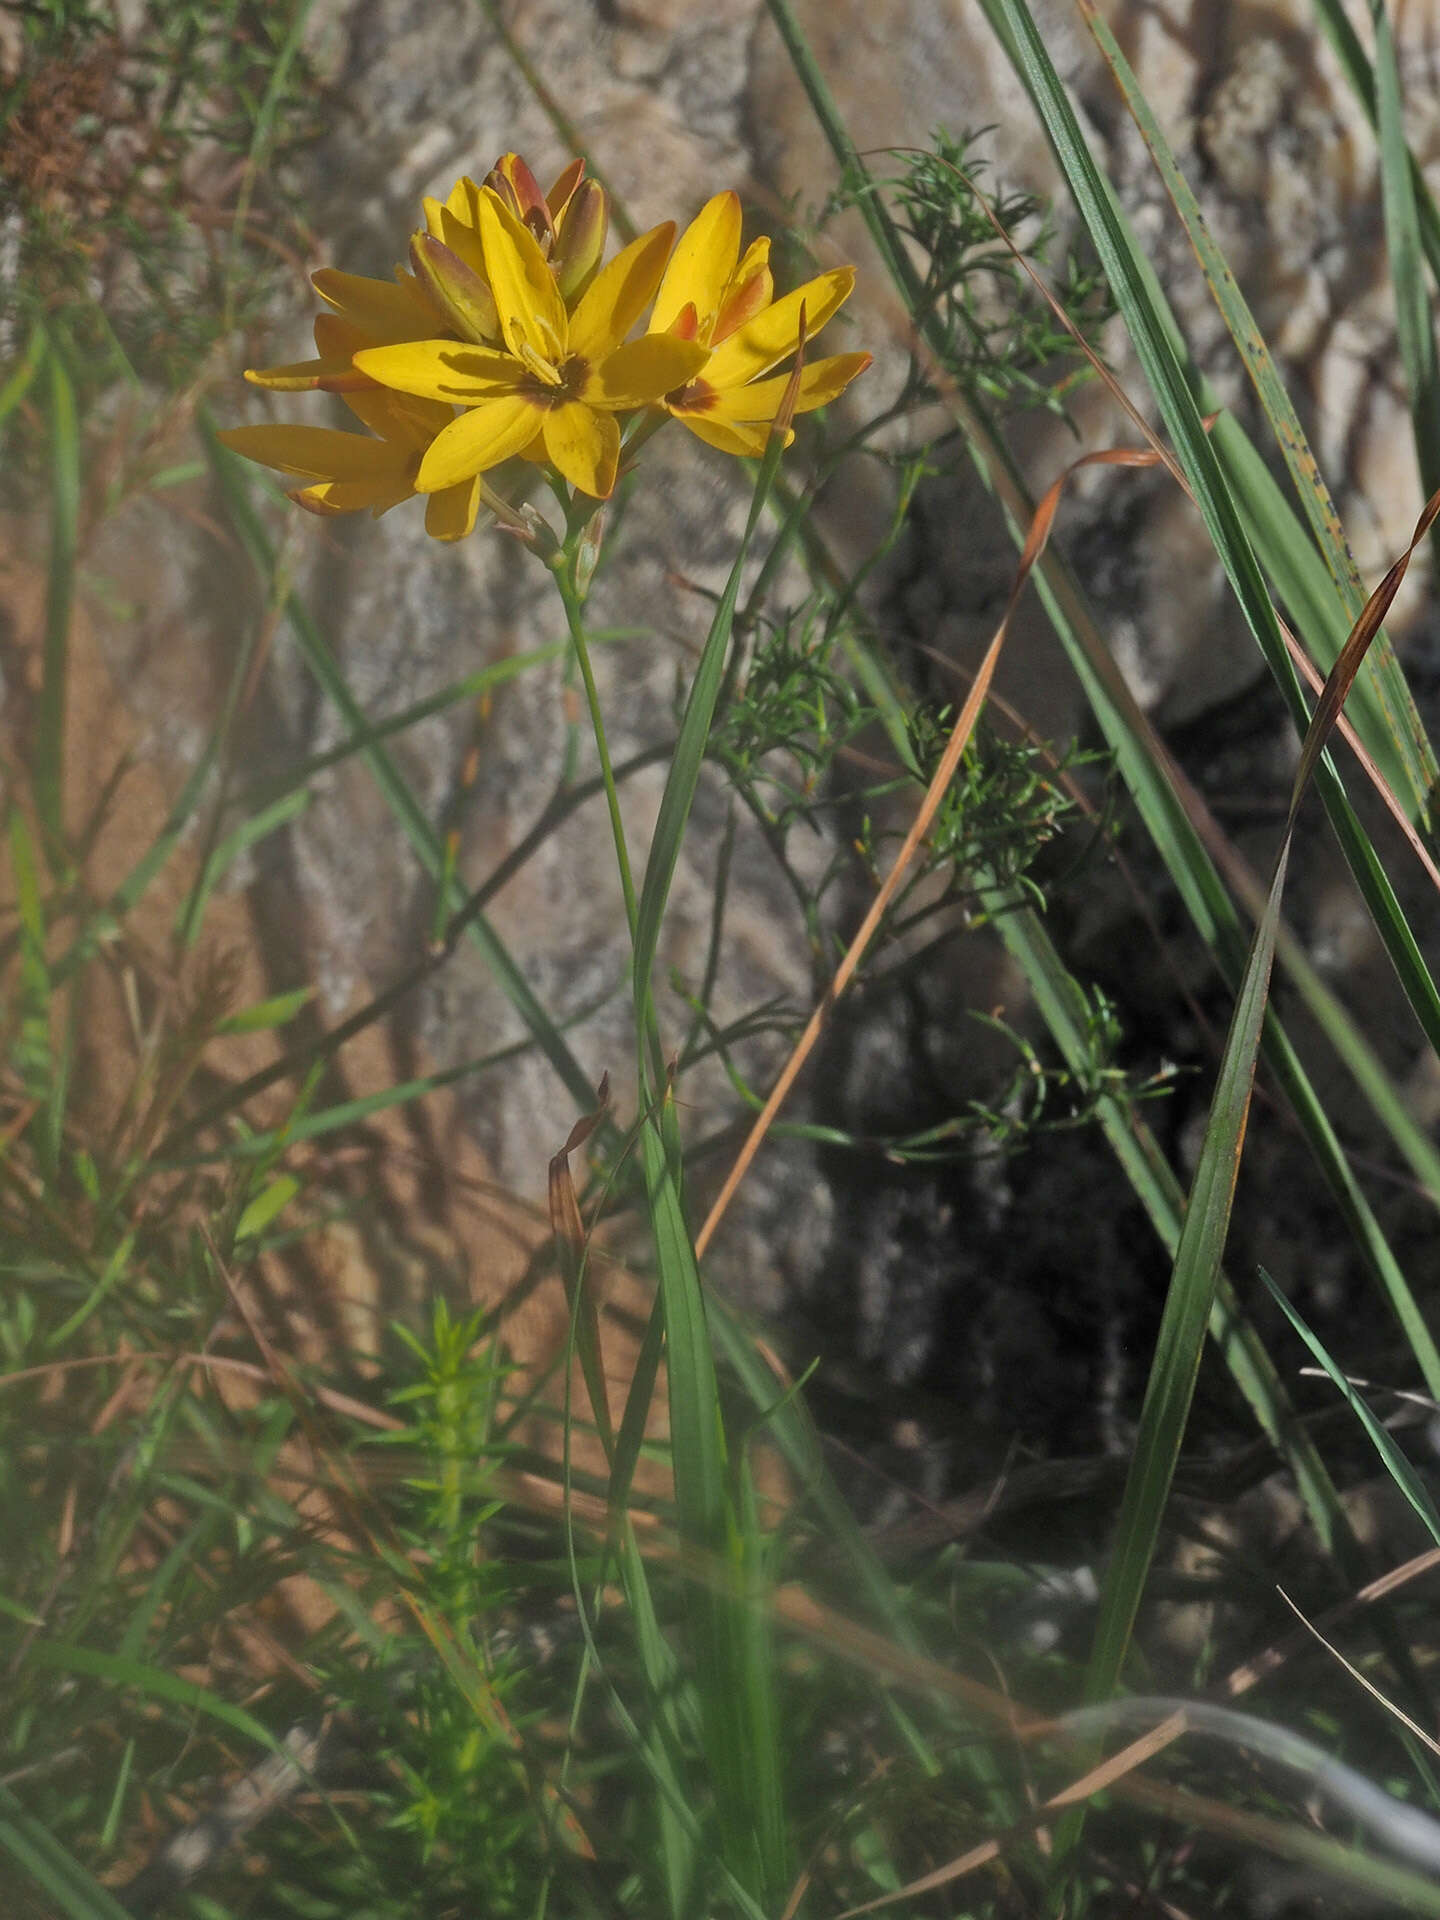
(672, 101)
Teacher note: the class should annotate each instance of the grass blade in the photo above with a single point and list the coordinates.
(423, 838)
(1153, 334)
(1202, 1241)
(20, 381)
(1335, 24)
(49, 769)
(1414, 319)
(155, 1682)
(1393, 1460)
(1188, 1305)
(1383, 710)
(54, 1871)
(739, 1717)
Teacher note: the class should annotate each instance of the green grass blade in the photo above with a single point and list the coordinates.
(350, 1113)
(1414, 318)
(752, 1553)
(740, 1727)
(1152, 332)
(250, 832)
(31, 1847)
(49, 769)
(1336, 25)
(474, 686)
(263, 130)
(154, 1682)
(1394, 1461)
(276, 1010)
(657, 1766)
(427, 844)
(689, 754)
(739, 1723)
(1188, 1305)
(883, 231)
(1197, 1262)
(22, 377)
(1381, 706)
(1060, 1001)
(630, 1437)
(117, 1268)
(663, 1682)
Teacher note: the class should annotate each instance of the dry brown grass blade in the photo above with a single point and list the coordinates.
(1108, 1773)
(1264, 1665)
(1342, 675)
(1036, 539)
(1411, 1726)
(1236, 1684)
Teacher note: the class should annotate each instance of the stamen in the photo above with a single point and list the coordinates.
(540, 368)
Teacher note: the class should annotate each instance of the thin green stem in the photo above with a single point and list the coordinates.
(574, 599)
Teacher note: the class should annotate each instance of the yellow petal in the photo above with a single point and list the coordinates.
(584, 445)
(532, 314)
(558, 198)
(317, 453)
(643, 372)
(401, 417)
(727, 436)
(442, 370)
(751, 289)
(463, 241)
(381, 308)
(299, 376)
(821, 381)
(339, 340)
(774, 334)
(701, 265)
(460, 203)
(333, 372)
(619, 294)
(477, 441)
(354, 496)
(450, 513)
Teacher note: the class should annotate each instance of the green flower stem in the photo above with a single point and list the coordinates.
(566, 571)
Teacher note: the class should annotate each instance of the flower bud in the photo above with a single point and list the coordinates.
(581, 240)
(457, 290)
(513, 182)
(561, 188)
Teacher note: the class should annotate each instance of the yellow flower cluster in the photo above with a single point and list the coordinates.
(509, 338)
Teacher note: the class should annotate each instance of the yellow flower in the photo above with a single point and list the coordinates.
(367, 313)
(447, 287)
(568, 225)
(348, 472)
(565, 375)
(726, 304)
